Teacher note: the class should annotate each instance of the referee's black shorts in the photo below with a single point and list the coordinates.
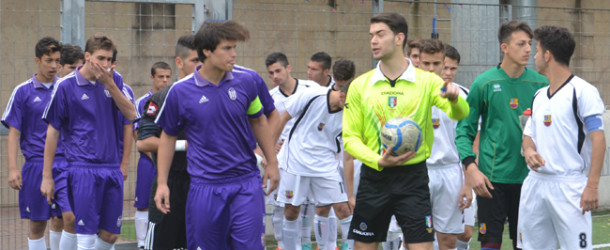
(168, 231)
(402, 191)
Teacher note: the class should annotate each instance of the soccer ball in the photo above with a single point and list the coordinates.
(401, 134)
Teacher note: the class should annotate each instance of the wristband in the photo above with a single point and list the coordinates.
(181, 145)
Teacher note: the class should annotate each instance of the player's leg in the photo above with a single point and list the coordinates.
(55, 228)
(573, 228)
(111, 211)
(321, 226)
(463, 241)
(345, 219)
(330, 190)
(491, 215)
(307, 214)
(293, 191)
(67, 238)
(277, 218)
(146, 172)
(247, 212)
(85, 202)
(168, 231)
(332, 229)
(208, 226)
(536, 230)
(33, 205)
(445, 186)
(513, 197)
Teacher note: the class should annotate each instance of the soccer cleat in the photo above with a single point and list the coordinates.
(278, 248)
(306, 246)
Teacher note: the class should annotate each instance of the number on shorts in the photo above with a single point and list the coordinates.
(583, 240)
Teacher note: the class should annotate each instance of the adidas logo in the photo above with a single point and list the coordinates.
(203, 99)
(84, 97)
(136, 198)
(37, 99)
(27, 209)
(81, 223)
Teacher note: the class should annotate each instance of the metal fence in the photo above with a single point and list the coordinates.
(146, 31)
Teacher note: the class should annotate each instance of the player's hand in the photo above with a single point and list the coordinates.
(465, 199)
(47, 188)
(389, 160)
(162, 198)
(278, 146)
(533, 159)
(272, 173)
(589, 200)
(450, 91)
(103, 74)
(124, 170)
(14, 179)
(351, 203)
(479, 182)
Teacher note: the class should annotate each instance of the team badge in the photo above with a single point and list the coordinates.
(321, 126)
(429, 224)
(107, 93)
(547, 120)
(152, 109)
(483, 228)
(514, 103)
(436, 123)
(392, 101)
(232, 94)
(289, 194)
(363, 226)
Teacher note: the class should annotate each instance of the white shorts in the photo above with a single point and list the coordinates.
(298, 190)
(471, 211)
(445, 185)
(550, 213)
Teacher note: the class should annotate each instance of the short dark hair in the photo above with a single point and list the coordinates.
(322, 57)
(46, 46)
(115, 52)
(413, 44)
(395, 21)
(432, 46)
(558, 40)
(276, 57)
(506, 29)
(99, 41)
(210, 34)
(452, 53)
(344, 69)
(159, 65)
(185, 44)
(70, 54)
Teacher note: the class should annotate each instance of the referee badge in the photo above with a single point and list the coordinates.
(363, 226)
(514, 103)
(547, 120)
(392, 101)
(436, 123)
(429, 226)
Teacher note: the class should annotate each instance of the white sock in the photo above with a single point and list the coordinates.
(68, 241)
(345, 222)
(290, 232)
(392, 242)
(463, 245)
(278, 220)
(54, 238)
(86, 241)
(402, 244)
(102, 245)
(435, 242)
(141, 224)
(38, 244)
(307, 213)
(332, 230)
(321, 230)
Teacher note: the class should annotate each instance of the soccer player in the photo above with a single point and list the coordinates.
(71, 57)
(310, 168)
(160, 75)
(84, 107)
(393, 184)
(168, 231)
(279, 70)
(499, 96)
(448, 194)
(225, 204)
(413, 51)
(27, 131)
(563, 138)
(318, 69)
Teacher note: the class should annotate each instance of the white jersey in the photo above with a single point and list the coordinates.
(313, 142)
(557, 126)
(444, 152)
(279, 97)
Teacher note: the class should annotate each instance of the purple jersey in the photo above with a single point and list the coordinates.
(140, 103)
(24, 112)
(263, 91)
(88, 117)
(215, 120)
(128, 92)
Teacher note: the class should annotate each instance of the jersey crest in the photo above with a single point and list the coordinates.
(436, 123)
(547, 120)
(483, 228)
(232, 94)
(514, 103)
(392, 100)
(321, 126)
(289, 194)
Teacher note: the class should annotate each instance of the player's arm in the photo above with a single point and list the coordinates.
(105, 77)
(449, 100)
(283, 119)
(348, 170)
(590, 196)
(14, 176)
(165, 154)
(127, 145)
(47, 187)
(265, 138)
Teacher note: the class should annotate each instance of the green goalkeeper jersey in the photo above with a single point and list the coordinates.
(499, 101)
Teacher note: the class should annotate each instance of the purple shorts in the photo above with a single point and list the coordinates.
(146, 174)
(97, 197)
(226, 214)
(60, 176)
(32, 204)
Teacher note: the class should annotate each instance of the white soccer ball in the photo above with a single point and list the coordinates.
(401, 134)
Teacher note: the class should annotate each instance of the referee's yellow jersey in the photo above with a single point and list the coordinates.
(372, 100)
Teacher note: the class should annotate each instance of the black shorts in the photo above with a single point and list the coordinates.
(168, 231)
(492, 213)
(402, 191)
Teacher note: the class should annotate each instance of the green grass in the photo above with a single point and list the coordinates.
(128, 230)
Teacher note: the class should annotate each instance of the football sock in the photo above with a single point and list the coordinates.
(141, 224)
(68, 241)
(290, 234)
(345, 222)
(85, 241)
(332, 230)
(321, 231)
(102, 245)
(277, 220)
(54, 238)
(38, 244)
